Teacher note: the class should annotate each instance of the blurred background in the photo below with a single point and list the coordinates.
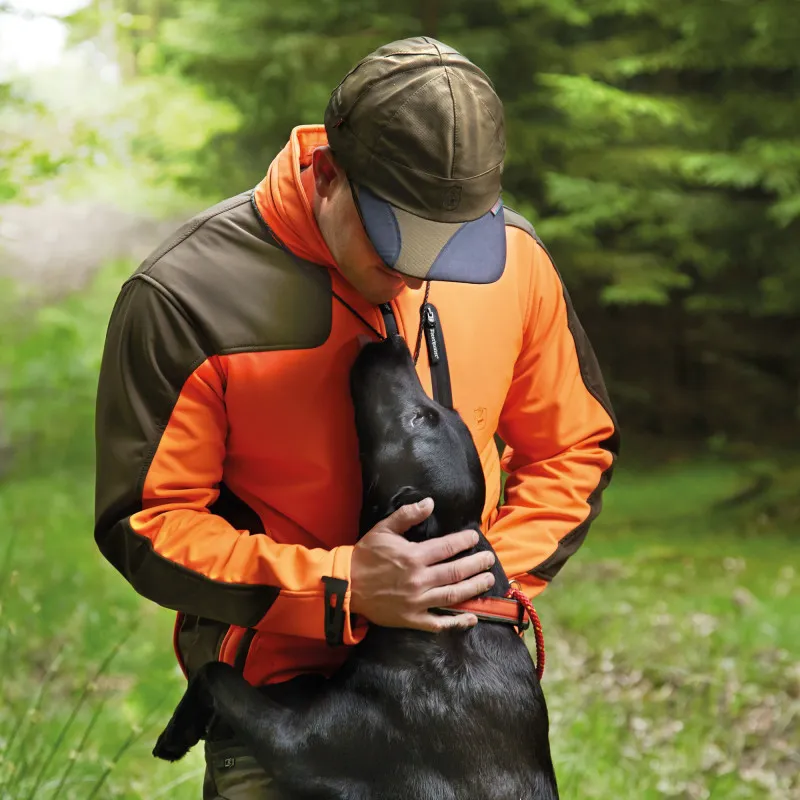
(656, 148)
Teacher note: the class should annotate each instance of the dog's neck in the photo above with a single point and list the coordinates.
(435, 527)
(501, 583)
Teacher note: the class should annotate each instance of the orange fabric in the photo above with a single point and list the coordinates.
(177, 491)
(285, 197)
(278, 428)
(547, 481)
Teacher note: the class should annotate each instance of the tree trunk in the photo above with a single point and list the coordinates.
(429, 17)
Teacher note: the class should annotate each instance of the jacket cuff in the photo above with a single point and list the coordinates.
(322, 609)
(341, 626)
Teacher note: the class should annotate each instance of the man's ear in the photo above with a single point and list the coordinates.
(325, 170)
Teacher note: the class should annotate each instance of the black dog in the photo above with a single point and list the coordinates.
(411, 715)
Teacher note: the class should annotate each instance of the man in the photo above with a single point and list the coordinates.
(228, 480)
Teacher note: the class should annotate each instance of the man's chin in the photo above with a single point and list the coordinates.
(385, 296)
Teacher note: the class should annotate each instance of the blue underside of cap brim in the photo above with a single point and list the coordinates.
(474, 253)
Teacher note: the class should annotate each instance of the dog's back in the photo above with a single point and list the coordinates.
(457, 715)
(463, 707)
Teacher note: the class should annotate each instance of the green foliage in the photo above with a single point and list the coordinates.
(175, 121)
(24, 158)
(671, 154)
(658, 147)
(655, 147)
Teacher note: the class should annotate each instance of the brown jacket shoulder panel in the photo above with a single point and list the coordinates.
(516, 220)
(219, 286)
(238, 289)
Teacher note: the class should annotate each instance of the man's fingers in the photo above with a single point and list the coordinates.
(458, 570)
(435, 623)
(435, 550)
(409, 515)
(443, 596)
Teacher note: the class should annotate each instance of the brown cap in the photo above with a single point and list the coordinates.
(419, 130)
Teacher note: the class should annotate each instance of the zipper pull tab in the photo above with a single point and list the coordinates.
(431, 336)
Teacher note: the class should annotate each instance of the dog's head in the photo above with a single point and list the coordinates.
(410, 446)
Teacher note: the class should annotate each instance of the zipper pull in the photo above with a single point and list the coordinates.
(431, 336)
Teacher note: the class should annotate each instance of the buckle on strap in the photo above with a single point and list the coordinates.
(335, 589)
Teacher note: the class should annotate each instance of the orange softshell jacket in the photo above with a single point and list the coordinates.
(228, 481)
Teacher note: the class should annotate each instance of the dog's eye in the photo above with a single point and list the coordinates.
(424, 415)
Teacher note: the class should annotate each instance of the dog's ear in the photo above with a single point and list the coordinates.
(428, 528)
(405, 496)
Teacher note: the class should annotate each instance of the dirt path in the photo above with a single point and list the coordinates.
(54, 247)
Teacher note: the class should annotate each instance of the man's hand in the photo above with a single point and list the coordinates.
(394, 582)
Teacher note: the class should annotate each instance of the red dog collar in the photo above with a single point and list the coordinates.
(492, 609)
(511, 610)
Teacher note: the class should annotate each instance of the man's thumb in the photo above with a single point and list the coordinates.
(409, 515)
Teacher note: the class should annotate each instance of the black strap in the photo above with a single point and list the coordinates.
(388, 320)
(437, 355)
(243, 649)
(431, 327)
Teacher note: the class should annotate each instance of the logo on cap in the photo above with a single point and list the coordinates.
(451, 199)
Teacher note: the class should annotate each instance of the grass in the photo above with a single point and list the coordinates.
(86, 669)
(674, 670)
(670, 635)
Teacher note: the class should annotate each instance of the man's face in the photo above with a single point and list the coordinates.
(340, 225)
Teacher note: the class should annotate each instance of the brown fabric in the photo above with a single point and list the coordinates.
(421, 126)
(198, 641)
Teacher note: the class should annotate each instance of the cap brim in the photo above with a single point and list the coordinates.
(464, 252)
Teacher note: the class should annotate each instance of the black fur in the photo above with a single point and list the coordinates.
(410, 715)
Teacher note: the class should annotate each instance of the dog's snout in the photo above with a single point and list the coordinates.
(396, 346)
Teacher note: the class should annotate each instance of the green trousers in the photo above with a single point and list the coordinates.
(233, 774)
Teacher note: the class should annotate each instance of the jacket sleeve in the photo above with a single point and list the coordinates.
(160, 444)
(561, 437)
